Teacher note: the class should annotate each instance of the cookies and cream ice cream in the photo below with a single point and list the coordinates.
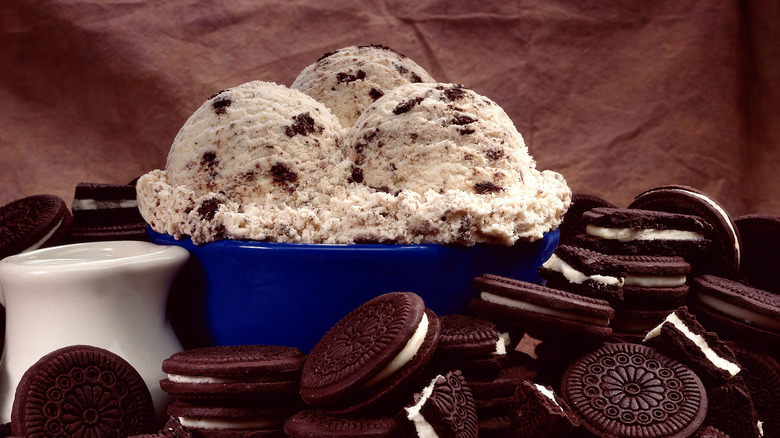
(424, 163)
(350, 79)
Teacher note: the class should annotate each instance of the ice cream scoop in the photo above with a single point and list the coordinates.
(350, 79)
(458, 165)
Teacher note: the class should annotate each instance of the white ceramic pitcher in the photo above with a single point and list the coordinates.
(110, 295)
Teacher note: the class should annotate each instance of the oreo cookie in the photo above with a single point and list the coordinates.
(628, 390)
(760, 236)
(731, 410)
(653, 282)
(538, 310)
(539, 412)
(637, 231)
(82, 391)
(103, 211)
(711, 432)
(33, 222)
(472, 345)
(735, 310)
(371, 355)
(316, 423)
(682, 337)
(572, 224)
(444, 408)
(584, 272)
(240, 372)
(247, 420)
(761, 374)
(723, 256)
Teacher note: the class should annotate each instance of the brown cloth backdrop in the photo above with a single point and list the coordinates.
(618, 96)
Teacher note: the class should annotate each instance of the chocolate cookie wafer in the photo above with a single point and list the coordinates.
(82, 391)
(761, 373)
(723, 256)
(735, 310)
(539, 310)
(572, 224)
(445, 407)
(240, 372)
(682, 337)
(103, 211)
(585, 272)
(731, 410)
(637, 231)
(539, 412)
(371, 355)
(33, 222)
(628, 390)
(316, 423)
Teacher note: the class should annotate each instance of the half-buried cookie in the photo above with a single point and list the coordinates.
(444, 408)
(760, 234)
(371, 355)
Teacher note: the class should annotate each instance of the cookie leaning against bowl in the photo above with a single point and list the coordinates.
(538, 310)
(723, 256)
(628, 390)
(371, 355)
(82, 390)
(735, 310)
(33, 222)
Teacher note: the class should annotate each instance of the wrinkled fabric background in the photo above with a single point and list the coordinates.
(618, 96)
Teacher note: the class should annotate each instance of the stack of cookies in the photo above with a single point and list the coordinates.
(247, 390)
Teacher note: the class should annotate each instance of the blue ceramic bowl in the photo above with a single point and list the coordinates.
(244, 292)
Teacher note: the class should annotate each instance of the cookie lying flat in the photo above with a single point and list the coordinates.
(258, 372)
(82, 391)
(654, 281)
(539, 412)
(444, 408)
(572, 224)
(735, 310)
(636, 231)
(628, 390)
(372, 354)
(584, 272)
(682, 337)
(315, 423)
(760, 235)
(33, 222)
(539, 310)
(724, 254)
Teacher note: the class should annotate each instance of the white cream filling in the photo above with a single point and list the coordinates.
(522, 305)
(720, 211)
(408, 352)
(99, 204)
(630, 235)
(421, 425)
(654, 280)
(745, 315)
(547, 393)
(760, 426)
(43, 240)
(501, 343)
(699, 341)
(555, 263)
(232, 424)
(210, 379)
